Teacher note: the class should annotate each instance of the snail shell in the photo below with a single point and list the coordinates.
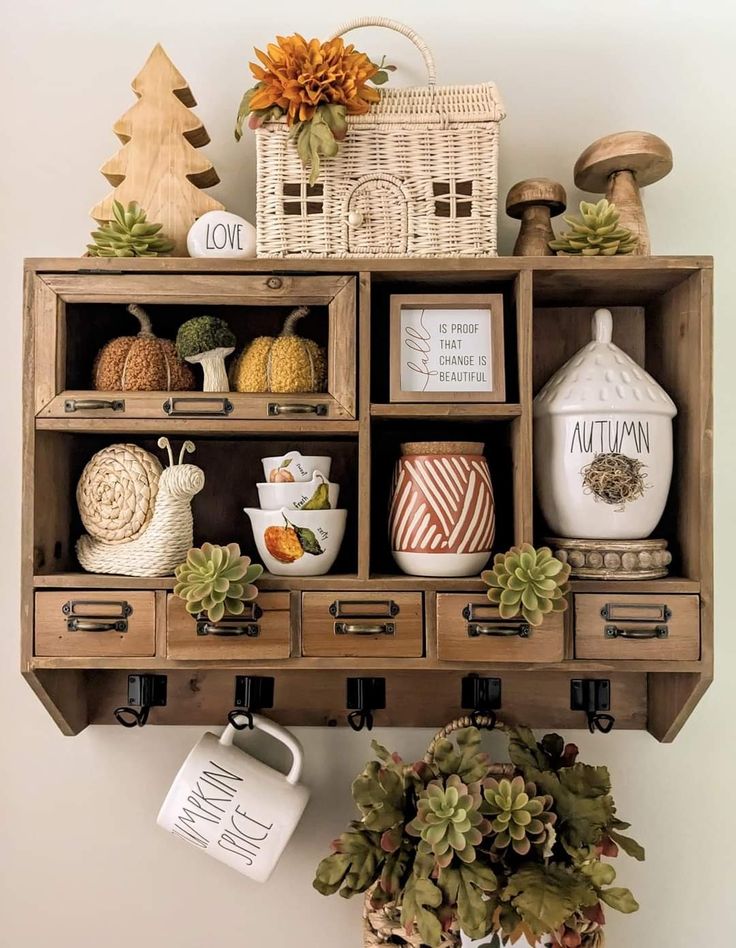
(116, 493)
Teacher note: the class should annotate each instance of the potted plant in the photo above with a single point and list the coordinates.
(454, 844)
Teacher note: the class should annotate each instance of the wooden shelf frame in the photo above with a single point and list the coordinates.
(669, 302)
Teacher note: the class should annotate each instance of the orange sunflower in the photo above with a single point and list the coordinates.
(297, 77)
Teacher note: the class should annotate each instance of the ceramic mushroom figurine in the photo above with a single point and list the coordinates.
(208, 341)
(620, 165)
(535, 202)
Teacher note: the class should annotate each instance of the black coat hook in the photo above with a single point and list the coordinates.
(593, 696)
(253, 693)
(364, 696)
(144, 692)
(483, 696)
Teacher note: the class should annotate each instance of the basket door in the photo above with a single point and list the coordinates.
(377, 214)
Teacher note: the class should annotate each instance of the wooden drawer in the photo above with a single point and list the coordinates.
(469, 629)
(263, 631)
(80, 622)
(637, 626)
(362, 624)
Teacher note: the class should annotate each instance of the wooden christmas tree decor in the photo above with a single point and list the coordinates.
(158, 165)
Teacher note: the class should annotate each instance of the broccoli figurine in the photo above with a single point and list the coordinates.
(208, 341)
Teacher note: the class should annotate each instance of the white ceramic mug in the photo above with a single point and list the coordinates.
(232, 806)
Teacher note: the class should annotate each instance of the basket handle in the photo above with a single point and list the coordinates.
(496, 770)
(402, 28)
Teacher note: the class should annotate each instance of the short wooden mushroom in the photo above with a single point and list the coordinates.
(535, 202)
(620, 165)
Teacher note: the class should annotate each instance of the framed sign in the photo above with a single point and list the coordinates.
(447, 348)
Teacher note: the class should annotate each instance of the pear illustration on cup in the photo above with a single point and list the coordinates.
(320, 499)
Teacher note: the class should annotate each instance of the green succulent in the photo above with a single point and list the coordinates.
(449, 821)
(202, 334)
(518, 817)
(596, 232)
(215, 580)
(129, 234)
(528, 581)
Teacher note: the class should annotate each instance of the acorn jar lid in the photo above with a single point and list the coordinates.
(601, 377)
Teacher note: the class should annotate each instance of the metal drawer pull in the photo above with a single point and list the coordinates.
(360, 628)
(75, 624)
(489, 628)
(636, 612)
(186, 407)
(356, 609)
(93, 404)
(658, 632)
(296, 409)
(250, 629)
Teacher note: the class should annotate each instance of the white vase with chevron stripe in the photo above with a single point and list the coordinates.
(442, 517)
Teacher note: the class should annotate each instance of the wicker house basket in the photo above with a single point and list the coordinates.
(416, 176)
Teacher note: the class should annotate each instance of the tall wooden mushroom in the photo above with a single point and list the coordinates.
(620, 165)
(535, 202)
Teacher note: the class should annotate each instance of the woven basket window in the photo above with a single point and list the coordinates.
(302, 198)
(453, 198)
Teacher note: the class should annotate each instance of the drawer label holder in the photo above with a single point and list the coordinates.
(636, 612)
(364, 609)
(93, 622)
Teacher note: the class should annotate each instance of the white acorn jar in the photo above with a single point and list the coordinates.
(602, 443)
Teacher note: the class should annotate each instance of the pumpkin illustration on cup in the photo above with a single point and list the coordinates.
(297, 542)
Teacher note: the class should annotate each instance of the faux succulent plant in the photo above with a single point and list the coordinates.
(444, 847)
(528, 581)
(596, 232)
(216, 580)
(519, 818)
(448, 820)
(129, 234)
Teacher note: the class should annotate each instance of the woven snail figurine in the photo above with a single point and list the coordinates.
(138, 515)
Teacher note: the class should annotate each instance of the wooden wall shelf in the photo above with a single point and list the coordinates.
(663, 311)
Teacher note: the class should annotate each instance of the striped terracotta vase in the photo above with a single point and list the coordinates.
(442, 517)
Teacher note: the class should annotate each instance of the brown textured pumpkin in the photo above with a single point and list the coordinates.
(286, 363)
(142, 363)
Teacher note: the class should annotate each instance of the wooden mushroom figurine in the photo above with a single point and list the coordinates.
(620, 165)
(535, 202)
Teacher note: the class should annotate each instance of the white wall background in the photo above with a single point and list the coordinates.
(81, 862)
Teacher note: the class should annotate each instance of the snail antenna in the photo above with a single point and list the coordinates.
(186, 448)
(164, 443)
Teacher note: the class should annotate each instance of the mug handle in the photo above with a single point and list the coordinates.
(281, 734)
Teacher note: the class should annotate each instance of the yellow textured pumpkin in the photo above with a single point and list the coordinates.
(142, 363)
(286, 363)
